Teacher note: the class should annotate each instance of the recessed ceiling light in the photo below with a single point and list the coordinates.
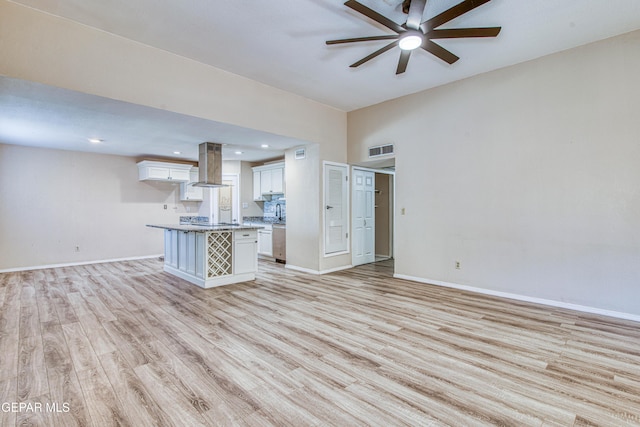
(265, 145)
(239, 152)
(177, 152)
(95, 140)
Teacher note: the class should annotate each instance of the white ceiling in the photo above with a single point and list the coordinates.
(282, 43)
(43, 116)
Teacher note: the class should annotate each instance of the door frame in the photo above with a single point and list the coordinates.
(392, 211)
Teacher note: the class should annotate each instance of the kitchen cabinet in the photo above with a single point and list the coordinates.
(189, 192)
(271, 181)
(265, 240)
(171, 248)
(244, 252)
(268, 180)
(187, 251)
(257, 191)
(163, 171)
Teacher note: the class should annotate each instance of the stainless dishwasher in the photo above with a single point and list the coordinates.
(279, 243)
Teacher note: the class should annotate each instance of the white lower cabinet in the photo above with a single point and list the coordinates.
(265, 241)
(182, 250)
(244, 252)
(200, 254)
(190, 265)
(187, 248)
(171, 248)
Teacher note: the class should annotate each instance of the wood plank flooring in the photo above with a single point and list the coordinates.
(126, 344)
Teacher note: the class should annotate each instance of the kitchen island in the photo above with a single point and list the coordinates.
(210, 255)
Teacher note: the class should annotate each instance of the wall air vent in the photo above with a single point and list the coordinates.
(381, 150)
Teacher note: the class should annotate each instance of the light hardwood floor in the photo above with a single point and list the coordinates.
(125, 344)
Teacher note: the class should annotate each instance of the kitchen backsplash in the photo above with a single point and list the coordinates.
(194, 219)
(270, 207)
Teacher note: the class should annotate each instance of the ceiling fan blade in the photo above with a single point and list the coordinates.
(416, 10)
(455, 33)
(404, 60)
(439, 51)
(363, 39)
(450, 14)
(374, 54)
(358, 7)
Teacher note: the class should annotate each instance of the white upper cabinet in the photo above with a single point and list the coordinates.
(268, 180)
(188, 192)
(257, 191)
(162, 171)
(277, 181)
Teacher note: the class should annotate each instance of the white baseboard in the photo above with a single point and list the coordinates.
(548, 302)
(72, 264)
(211, 282)
(317, 272)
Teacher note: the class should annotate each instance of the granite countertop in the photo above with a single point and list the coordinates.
(204, 227)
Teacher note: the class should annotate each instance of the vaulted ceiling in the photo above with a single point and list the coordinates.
(282, 44)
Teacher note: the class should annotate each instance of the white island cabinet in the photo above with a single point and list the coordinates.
(210, 256)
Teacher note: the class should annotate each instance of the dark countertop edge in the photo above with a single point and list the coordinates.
(190, 227)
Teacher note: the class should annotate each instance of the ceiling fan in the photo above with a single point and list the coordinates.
(415, 33)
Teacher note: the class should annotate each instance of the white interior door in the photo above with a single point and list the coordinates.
(336, 209)
(225, 200)
(364, 221)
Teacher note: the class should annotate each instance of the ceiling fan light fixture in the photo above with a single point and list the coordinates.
(410, 40)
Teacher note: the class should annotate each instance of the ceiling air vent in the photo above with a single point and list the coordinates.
(381, 150)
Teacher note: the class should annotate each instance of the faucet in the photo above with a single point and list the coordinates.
(279, 211)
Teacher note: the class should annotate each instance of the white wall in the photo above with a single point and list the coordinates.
(527, 175)
(55, 200)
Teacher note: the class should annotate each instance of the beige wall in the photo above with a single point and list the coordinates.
(44, 48)
(527, 175)
(301, 175)
(58, 52)
(54, 200)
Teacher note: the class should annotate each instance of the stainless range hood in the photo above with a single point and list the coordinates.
(209, 165)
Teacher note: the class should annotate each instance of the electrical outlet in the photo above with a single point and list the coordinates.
(458, 265)
(165, 207)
